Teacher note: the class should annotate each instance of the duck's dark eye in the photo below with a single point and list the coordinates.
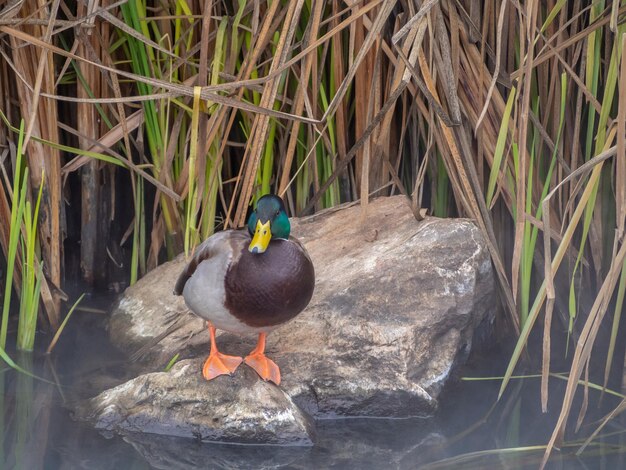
(277, 213)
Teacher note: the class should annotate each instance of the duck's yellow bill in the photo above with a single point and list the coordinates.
(262, 237)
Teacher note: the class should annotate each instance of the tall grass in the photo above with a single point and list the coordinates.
(17, 212)
(23, 227)
(32, 273)
(511, 114)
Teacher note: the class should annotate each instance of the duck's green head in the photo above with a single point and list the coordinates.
(269, 220)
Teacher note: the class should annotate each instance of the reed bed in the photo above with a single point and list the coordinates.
(513, 114)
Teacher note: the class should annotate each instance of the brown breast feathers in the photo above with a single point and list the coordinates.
(270, 288)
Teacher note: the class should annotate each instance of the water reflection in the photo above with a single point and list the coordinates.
(26, 418)
(354, 443)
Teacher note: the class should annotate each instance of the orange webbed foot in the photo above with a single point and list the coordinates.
(217, 363)
(220, 364)
(265, 367)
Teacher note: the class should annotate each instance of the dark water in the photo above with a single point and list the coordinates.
(472, 431)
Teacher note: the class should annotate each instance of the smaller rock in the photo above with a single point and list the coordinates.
(240, 409)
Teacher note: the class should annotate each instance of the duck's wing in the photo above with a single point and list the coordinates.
(212, 246)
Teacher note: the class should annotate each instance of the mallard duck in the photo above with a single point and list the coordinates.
(248, 282)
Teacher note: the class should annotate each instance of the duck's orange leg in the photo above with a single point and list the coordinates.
(217, 363)
(266, 368)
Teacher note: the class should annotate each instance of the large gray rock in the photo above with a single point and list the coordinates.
(181, 403)
(396, 308)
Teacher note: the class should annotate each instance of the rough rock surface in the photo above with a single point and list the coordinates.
(181, 403)
(396, 308)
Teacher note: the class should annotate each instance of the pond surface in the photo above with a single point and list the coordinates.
(471, 431)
